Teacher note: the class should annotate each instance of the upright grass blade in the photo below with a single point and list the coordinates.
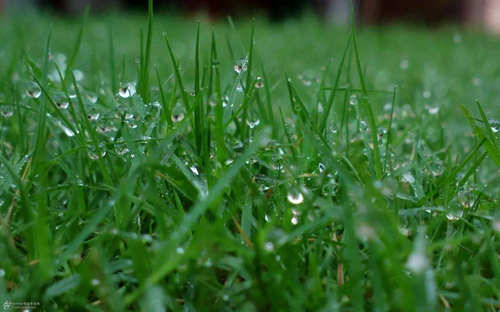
(331, 98)
(78, 44)
(178, 76)
(145, 61)
(199, 132)
(114, 81)
(377, 162)
(219, 109)
(389, 132)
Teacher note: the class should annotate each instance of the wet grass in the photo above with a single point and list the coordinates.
(247, 166)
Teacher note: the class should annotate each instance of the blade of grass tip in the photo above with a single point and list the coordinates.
(177, 72)
(146, 58)
(92, 133)
(331, 98)
(389, 131)
(114, 82)
(219, 109)
(262, 139)
(368, 108)
(41, 130)
(249, 83)
(198, 127)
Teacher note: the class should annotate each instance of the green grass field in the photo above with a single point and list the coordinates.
(160, 164)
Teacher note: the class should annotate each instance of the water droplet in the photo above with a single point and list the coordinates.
(426, 94)
(408, 177)
(295, 198)
(404, 64)
(92, 99)
(66, 130)
(127, 91)
(353, 99)
(363, 126)
(239, 88)
(177, 117)
(95, 282)
(241, 66)
(321, 167)
(433, 110)
(7, 114)
(122, 151)
(93, 156)
(454, 216)
(63, 105)
(194, 170)
(34, 92)
(228, 162)
(180, 250)
(295, 220)
(94, 117)
(417, 262)
(2, 273)
(132, 125)
(78, 75)
(269, 246)
(259, 83)
(495, 125)
(253, 124)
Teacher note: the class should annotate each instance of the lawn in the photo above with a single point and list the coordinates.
(168, 164)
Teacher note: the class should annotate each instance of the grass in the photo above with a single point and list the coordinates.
(247, 166)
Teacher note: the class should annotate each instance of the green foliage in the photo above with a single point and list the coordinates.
(259, 167)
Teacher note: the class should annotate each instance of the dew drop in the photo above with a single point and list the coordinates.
(129, 116)
(95, 282)
(417, 262)
(34, 93)
(408, 177)
(494, 125)
(426, 94)
(127, 91)
(180, 250)
(269, 246)
(353, 99)
(253, 124)
(66, 130)
(259, 83)
(78, 75)
(404, 64)
(433, 110)
(194, 170)
(177, 117)
(295, 220)
(2, 273)
(295, 198)
(7, 114)
(63, 105)
(94, 117)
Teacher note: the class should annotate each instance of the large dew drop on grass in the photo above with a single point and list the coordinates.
(409, 178)
(34, 92)
(127, 90)
(353, 100)
(495, 125)
(253, 124)
(295, 198)
(177, 117)
(66, 130)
